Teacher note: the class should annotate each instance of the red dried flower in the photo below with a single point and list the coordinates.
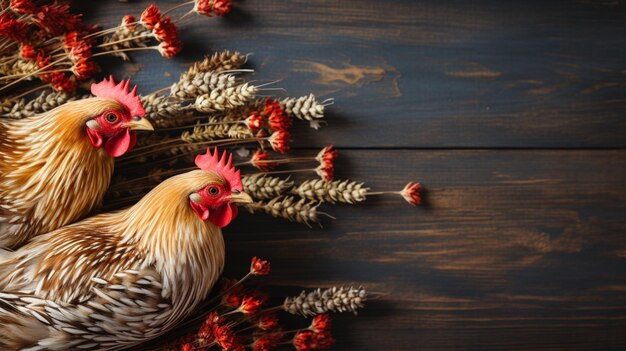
(208, 7)
(56, 19)
(169, 49)
(206, 329)
(308, 340)
(5, 19)
(43, 62)
(278, 119)
(412, 193)
(324, 341)
(326, 158)
(13, 29)
(83, 69)
(326, 173)
(225, 338)
(188, 347)
(28, 52)
(260, 160)
(22, 6)
(233, 298)
(259, 266)
(129, 22)
(255, 122)
(80, 55)
(268, 321)
(251, 304)
(61, 82)
(150, 16)
(327, 155)
(263, 344)
(304, 341)
(71, 40)
(222, 7)
(321, 324)
(165, 30)
(279, 140)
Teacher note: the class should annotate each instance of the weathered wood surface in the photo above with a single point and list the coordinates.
(519, 247)
(515, 250)
(411, 73)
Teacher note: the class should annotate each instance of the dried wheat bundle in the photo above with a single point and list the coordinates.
(346, 191)
(336, 299)
(288, 207)
(262, 187)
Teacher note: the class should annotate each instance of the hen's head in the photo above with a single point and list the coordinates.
(114, 129)
(217, 199)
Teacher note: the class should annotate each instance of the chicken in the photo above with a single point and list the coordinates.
(55, 167)
(118, 279)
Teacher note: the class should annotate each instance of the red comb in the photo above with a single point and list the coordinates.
(120, 93)
(222, 166)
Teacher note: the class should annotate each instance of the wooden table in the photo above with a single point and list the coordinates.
(511, 114)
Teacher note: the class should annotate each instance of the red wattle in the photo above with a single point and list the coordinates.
(200, 210)
(94, 137)
(119, 144)
(223, 215)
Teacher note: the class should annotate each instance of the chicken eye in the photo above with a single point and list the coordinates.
(213, 190)
(111, 118)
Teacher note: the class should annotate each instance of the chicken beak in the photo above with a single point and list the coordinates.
(141, 124)
(240, 197)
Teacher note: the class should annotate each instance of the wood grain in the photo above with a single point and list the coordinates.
(512, 116)
(426, 74)
(513, 251)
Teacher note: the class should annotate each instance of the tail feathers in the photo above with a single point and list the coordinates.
(18, 330)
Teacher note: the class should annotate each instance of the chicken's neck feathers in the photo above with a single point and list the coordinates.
(48, 163)
(188, 252)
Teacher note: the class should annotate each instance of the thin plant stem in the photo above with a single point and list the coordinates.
(31, 74)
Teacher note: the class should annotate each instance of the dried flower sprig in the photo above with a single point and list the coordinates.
(412, 193)
(237, 318)
(48, 42)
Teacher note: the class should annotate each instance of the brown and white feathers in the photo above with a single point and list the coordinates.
(50, 174)
(114, 280)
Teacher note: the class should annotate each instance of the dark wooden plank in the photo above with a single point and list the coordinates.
(425, 74)
(515, 250)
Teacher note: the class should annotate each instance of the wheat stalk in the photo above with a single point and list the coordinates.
(125, 37)
(46, 101)
(263, 187)
(161, 109)
(219, 61)
(287, 207)
(304, 107)
(213, 129)
(23, 67)
(335, 299)
(345, 191)
(223, 99)
(201, 83)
